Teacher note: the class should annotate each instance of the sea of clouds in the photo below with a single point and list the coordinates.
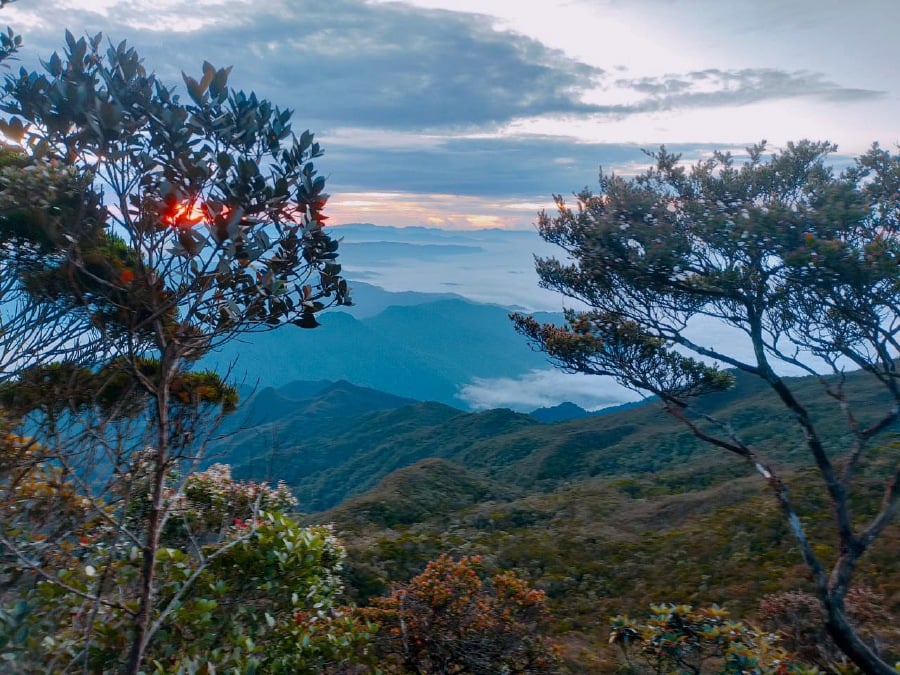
(495, 267)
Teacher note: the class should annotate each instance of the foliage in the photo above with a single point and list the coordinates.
(215, 500)
(214, 225)
(238, 588)
(799, 263)
(682, 639)
(451, 619)
(432, 486)
(598, 549)
(138, 231)
(41, 508)
(10, 43)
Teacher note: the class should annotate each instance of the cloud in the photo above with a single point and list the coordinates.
(768, 16)
(714, 87)
(472, 183)
(544, 389)
(349, 63)
(425, 102)
(517, 172)
(503, 167)
(387, 253)
(489, 266)
(345, 62)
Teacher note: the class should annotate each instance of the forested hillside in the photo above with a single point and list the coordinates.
(606, 514)
(604, 546)
(379, 433)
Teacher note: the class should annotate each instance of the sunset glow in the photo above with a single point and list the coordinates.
(463, 212)
(186, 215)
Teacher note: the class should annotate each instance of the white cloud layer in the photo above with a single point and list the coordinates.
(545, 389)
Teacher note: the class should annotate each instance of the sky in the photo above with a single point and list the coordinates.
(467, 114)
(462, 115)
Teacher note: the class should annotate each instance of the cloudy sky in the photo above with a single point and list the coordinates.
(472, 113)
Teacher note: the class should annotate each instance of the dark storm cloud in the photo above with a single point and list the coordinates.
(347, 63)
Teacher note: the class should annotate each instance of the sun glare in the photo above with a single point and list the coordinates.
(186, 215)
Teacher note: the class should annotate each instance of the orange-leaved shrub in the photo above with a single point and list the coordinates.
(454, 618)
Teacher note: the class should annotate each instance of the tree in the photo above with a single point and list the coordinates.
(801, 263)
(797, 616)
(682, 639)
(138, 231)
(257, 592)
(451, 619)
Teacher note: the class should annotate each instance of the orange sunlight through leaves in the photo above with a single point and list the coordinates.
(186, 215)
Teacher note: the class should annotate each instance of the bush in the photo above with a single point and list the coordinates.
(453, 618)
(681, 639)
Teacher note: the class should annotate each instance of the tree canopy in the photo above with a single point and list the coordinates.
(168, 220)
(801, 263)
(139, 229)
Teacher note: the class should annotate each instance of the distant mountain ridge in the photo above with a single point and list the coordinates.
(560, 413)
(340, 441)
(483, 265)
(370, 300)
(425, 347)
(567, 410)
(330, 400)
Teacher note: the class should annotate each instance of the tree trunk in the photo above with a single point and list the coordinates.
(846, 638)
(154, 522)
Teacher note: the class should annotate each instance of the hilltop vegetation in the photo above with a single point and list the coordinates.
(605, 514)
(603, 546)
(379, 433)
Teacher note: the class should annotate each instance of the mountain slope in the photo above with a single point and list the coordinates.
(327, 457)
(369, 300)
(604, 546)
(426, 490)
(271, 423)
(424, 351)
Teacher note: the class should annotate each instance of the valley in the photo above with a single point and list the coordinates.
(606, 513)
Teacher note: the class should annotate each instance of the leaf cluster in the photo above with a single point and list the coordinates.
(118, 388)
(789, 254)
(684, 639)
(451, 618)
